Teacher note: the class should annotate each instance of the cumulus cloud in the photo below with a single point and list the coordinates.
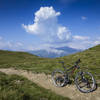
(46, 26)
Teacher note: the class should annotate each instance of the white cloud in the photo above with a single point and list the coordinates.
(83, 42)
(76, 44)
(84, 18)
(5, 44)
(46, 26)
(48, 47)
(77, 37)
(97, 41)
(11, 45)
(63, 36)
(45, 13)
(53, 50)
(19, 44)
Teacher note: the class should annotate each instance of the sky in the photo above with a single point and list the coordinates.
(47, 24)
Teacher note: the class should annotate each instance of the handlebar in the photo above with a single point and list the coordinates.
(78, 61)
(76, 64)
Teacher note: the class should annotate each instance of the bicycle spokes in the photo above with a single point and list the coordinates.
(85, 82)
(58, 78)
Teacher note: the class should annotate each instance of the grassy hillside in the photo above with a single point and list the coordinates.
(13, 87)
(90, 60)
(25, 61)
(18, 88)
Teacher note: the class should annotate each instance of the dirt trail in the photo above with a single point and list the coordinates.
(46, 82)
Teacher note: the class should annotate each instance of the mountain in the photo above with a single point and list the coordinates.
(45, 53)
(54, 52)
(68, 50)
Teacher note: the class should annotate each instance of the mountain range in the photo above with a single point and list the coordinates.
(54, 52)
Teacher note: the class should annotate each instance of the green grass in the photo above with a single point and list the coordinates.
(13, 87)
(26, 61)
(90, 60)
(18, 88)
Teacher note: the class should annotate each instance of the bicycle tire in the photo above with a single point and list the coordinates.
(54, 81)
(79, 88)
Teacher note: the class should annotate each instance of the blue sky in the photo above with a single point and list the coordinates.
(72, 23)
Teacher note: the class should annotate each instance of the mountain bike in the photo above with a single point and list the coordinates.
(84, 81)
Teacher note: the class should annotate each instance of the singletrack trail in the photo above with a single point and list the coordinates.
(45, 81)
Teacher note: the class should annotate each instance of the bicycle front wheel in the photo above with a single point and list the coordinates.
(58, 78)
(85, 82)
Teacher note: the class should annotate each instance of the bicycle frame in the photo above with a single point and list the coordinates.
(79, 78)
(70, 70)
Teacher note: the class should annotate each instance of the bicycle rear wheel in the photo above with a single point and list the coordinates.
(85, 82)
(58, 78)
